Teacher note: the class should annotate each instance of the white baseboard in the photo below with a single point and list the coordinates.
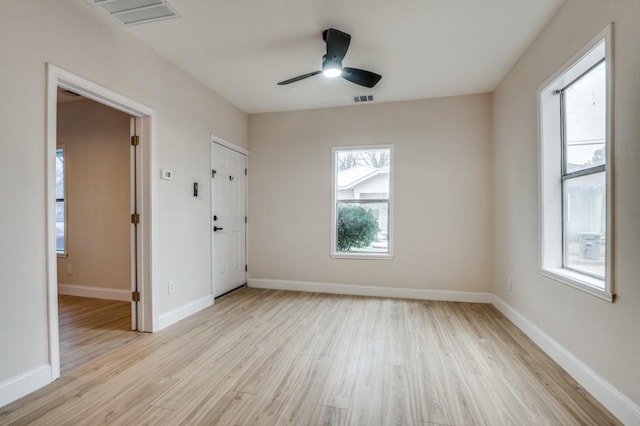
(94, 292)
(357, 290)
(622, 407)
(19, 386)
(178, 314)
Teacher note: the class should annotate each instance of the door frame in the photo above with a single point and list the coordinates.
(146, 122)
(245, 152)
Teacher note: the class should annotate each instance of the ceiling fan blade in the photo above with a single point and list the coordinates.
(337, 43)
(298, 78)
(362, 77)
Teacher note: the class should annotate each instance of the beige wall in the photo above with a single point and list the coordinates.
(97, 165)
(445, 220)
(80, 38)
(442, 195)
(603, 335)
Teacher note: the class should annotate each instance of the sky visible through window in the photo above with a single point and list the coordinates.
(585, 113)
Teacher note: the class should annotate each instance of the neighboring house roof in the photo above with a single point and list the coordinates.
(349, 178)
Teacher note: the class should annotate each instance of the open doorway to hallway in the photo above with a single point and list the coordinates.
(141, 141)
(95, 237)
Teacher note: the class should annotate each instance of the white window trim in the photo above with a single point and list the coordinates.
(549, 146)
(391, 232)
(64, 253)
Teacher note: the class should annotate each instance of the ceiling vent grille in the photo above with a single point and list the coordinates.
(134, 12)
(363, 99)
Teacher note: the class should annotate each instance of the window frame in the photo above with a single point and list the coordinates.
(334, 198)
(552, 172)
(64, 252)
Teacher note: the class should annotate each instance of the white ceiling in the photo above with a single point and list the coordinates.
(422, 48)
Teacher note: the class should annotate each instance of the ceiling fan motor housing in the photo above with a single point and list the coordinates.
(331, 63)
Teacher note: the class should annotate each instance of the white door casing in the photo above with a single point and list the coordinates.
(133, 208)
(228, 211)
(146, 119)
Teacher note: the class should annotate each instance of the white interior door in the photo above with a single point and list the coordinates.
(228, 214)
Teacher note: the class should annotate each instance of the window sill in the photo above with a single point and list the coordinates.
(362, 256)
(62, 255)
(582, 282)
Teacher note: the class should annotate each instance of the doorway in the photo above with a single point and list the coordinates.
(95, 239)
(228, 213)
(139, 295)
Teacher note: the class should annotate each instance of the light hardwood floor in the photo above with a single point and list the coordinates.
(91, 328)
(272, 357)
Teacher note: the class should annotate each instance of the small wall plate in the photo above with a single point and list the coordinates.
(166, 174)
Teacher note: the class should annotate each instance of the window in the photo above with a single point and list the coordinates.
(575, 170)
(362, 204)
(583, 109)
(60, 202)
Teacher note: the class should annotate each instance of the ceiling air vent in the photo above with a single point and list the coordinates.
(133, 12)
(362, 99)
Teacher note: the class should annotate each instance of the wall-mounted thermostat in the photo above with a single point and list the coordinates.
(166, 174)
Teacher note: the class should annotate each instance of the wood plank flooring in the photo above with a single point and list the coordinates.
(268, 357)
(91, 328)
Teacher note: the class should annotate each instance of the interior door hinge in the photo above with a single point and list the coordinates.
(245, 219)
(213, 173)
(246, 268)
(135, 296)
(245, 171)
(135, 218)
(135, 140)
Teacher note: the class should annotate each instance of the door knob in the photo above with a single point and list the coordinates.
(215, 228)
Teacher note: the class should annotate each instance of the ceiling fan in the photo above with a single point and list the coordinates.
(337, 46)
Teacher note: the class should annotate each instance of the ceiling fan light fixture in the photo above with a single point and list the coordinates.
(332, 72)
(337, 44)
(331, 67)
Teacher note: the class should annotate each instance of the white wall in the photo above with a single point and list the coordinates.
(442, 193)
(97, 173)
(603, 335)
(76, 36)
